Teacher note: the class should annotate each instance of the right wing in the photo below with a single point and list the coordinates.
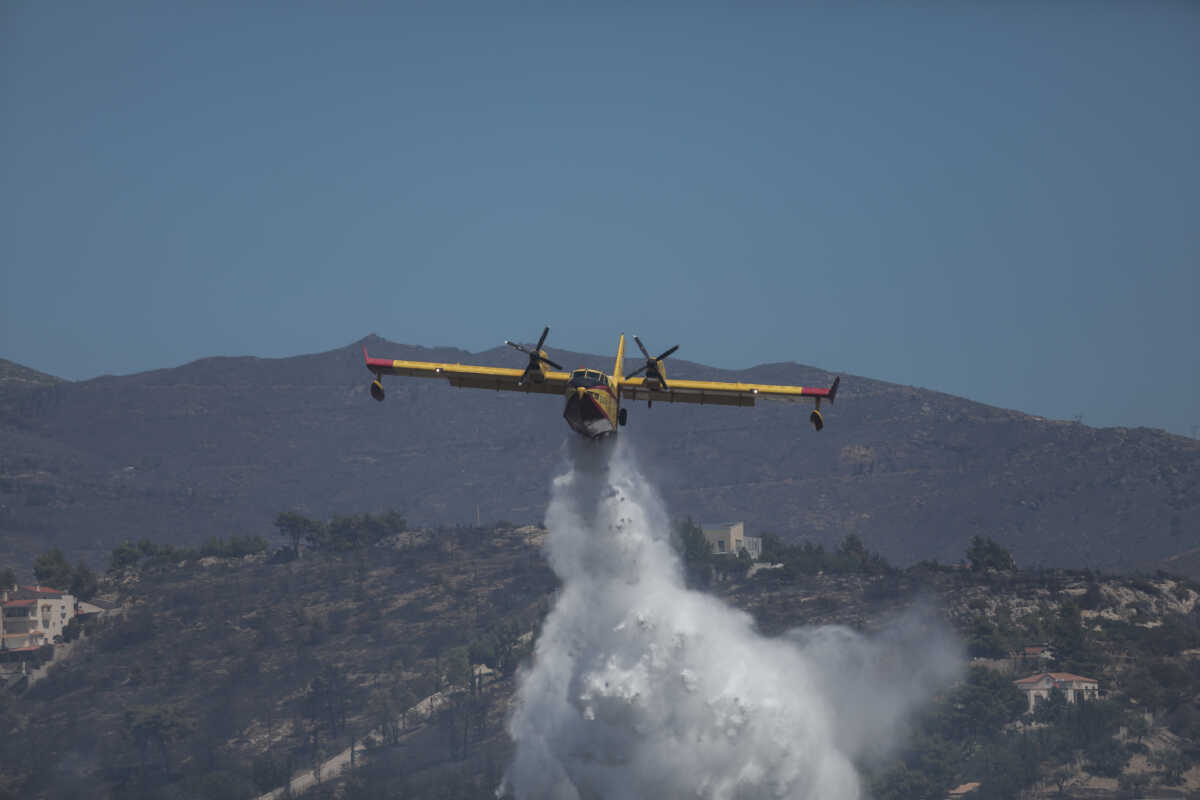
(469, 376)
(722, 393)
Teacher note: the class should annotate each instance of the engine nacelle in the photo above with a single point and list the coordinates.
(816, 420)
(377, 390)
(657, 375)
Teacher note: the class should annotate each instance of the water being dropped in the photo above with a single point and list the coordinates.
(642, 688)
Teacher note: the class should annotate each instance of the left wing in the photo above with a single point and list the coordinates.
(470, 376)
(721, 392)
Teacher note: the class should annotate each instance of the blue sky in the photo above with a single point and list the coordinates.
(994, 200)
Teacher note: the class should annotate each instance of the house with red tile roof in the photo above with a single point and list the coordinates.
(1036, 651)
(1074, 687)
(31, 616)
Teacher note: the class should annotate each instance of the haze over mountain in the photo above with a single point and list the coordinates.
(221, 445)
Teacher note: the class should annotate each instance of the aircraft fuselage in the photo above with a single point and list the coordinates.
(593, 409)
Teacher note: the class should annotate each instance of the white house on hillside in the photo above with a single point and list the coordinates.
(730, 537)
(33, 616)
(1074, 687)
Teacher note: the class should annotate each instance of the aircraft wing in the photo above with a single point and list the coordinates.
(470, 376)
(721, 393)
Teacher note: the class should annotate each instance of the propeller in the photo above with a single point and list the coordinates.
(653, 365)
(536, 356)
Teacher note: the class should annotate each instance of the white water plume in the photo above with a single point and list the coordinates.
(642, 688)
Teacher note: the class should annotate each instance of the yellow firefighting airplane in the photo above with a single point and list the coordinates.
(593, 398)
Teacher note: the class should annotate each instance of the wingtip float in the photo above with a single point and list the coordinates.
(593, 397)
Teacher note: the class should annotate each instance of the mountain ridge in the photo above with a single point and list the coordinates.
(221, 444)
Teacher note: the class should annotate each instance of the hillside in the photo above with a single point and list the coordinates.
(223, 444)
(15, 381)
(218, 678)
(15, 376)
(203, 676)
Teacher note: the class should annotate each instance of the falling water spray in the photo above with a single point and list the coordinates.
(642, 688)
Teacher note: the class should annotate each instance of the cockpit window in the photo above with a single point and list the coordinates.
(586, 378)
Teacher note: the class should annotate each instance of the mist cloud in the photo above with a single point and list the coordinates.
(641, 688)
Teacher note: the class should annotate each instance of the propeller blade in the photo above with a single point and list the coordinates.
(663, 384)
(642, 368)
(516, 346)
(543, 339)
(641, 346)
(664, 355)
(551, 363)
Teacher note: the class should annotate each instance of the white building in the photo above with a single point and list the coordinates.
(34, 616)
(730, 537)
(1074, 687)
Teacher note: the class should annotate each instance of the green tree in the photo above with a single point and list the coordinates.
(236, 546)
(1064, 775)
(153, 728)
(773, 548)
(984, 703)
(297, 528)
(984, 639)
(8, 578)
(808, 558)
(1106, 756)
(1137, 726)
(386, 715)
(485, 650)
(394, 522)
(1069, 635)
(268, 772)
(1053, 709)
(457, 663)
(327, 701)
(985, 554)
(1134, 784)
(83, 582)
(406, 701)
(353, 532)
(52, 569)
(126, 554)
(1093, 598)
(1005, 766)
(690, 541)
(1173, 764)
(853, 556)
(852, 548)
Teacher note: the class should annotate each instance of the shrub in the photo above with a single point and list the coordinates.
(985, 554)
